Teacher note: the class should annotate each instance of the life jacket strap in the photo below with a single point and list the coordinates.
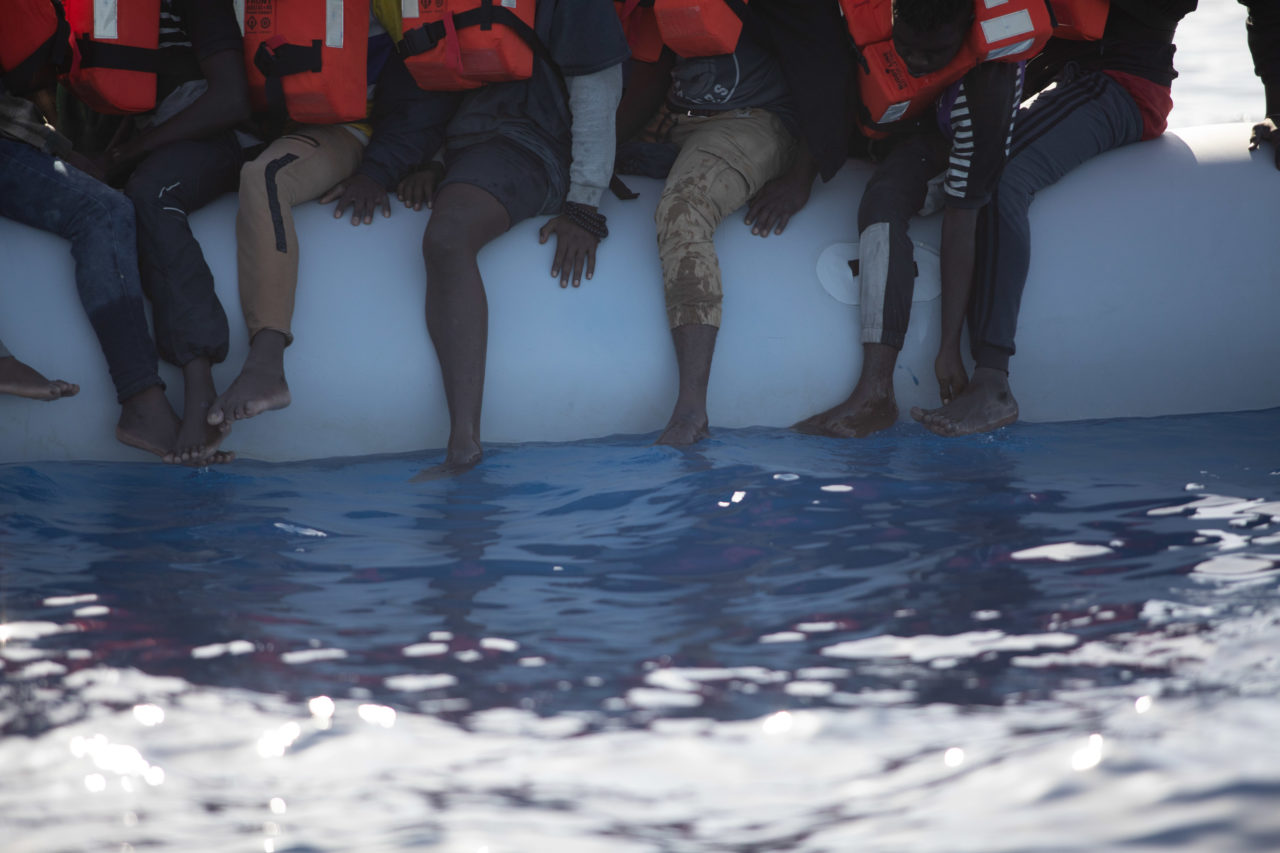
(277, 59)
(123, 57)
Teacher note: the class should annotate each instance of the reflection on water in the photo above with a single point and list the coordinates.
(1060, 635)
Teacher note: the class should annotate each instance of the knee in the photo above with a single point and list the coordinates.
(109, 212)
(884, 202)
(683, 213)
(448, 236)
(253, 180)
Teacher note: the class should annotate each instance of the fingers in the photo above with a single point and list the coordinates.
(544, 234)
(591, 262)
(558, 265)
(579, 262)
(772, 219)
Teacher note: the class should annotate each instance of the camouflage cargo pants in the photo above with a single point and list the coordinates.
(724, 160)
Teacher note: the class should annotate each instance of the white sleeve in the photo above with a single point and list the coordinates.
(593, 102)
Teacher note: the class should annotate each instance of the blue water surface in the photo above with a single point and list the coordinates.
(1057, 636)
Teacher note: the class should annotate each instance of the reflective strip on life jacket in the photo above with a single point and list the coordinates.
(700, 27)
(640, 26)
(450, 45)
(35, 34)
(1003, 31)
(114, 53)
(1080, 20)
(307, 58)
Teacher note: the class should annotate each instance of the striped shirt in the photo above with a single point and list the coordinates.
(977, 113)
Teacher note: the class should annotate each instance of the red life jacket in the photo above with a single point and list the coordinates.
(700, 27)
(1080, 20)
(35, 34)
(1003, 31)
(461, 44)
(307, 58)
(640, 26)
(114, 47)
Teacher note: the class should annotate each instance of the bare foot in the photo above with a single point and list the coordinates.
(456, 461)
(148, 422)
(685, 429)
(260, 387)
(854, 418)
(869, 408)
(197, 439)
(986, 404)
(22, 380)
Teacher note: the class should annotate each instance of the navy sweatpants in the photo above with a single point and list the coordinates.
(1082, 115)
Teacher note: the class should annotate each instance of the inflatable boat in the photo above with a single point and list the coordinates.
(1154, 289)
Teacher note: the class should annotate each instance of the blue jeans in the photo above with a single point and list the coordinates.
(45, 192)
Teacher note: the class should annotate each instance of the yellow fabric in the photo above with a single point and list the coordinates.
(388, 14)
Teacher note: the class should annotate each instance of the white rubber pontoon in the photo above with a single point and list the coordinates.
(1152, 291)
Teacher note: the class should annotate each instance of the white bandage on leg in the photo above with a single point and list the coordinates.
(873, 279)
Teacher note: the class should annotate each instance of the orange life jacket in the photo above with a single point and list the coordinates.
(1080, 20)
(640, 26)
(1003, 31)
(307, 58)
(461, 44)
(35, 34)
(114, 53)
(700, 27)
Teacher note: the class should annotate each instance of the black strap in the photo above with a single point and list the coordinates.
(421, 39)
(281, 61)
(855, 267)
(620, 190)
(97, 54)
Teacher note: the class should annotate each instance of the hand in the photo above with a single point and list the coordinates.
(419, 188)
(574, 247)
(949, 368)
(778, 200)
(1265, 131)
(362, 194)
(121, 158)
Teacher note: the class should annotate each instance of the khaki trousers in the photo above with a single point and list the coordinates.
(297, 167)
(724, 160)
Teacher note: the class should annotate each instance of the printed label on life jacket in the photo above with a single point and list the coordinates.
(106, 20)
(259, 17)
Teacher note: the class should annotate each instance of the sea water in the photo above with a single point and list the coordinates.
(1056, 637)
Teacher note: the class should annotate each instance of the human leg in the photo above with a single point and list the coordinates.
(1084, 115)
(190, 324)
(295, 168)
(47, 193)
(724, 160)
(896, 191)
(487, 187)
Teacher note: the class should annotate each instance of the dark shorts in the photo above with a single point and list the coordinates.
(510, 173)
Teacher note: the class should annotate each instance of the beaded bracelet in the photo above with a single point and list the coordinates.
(586, 218)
